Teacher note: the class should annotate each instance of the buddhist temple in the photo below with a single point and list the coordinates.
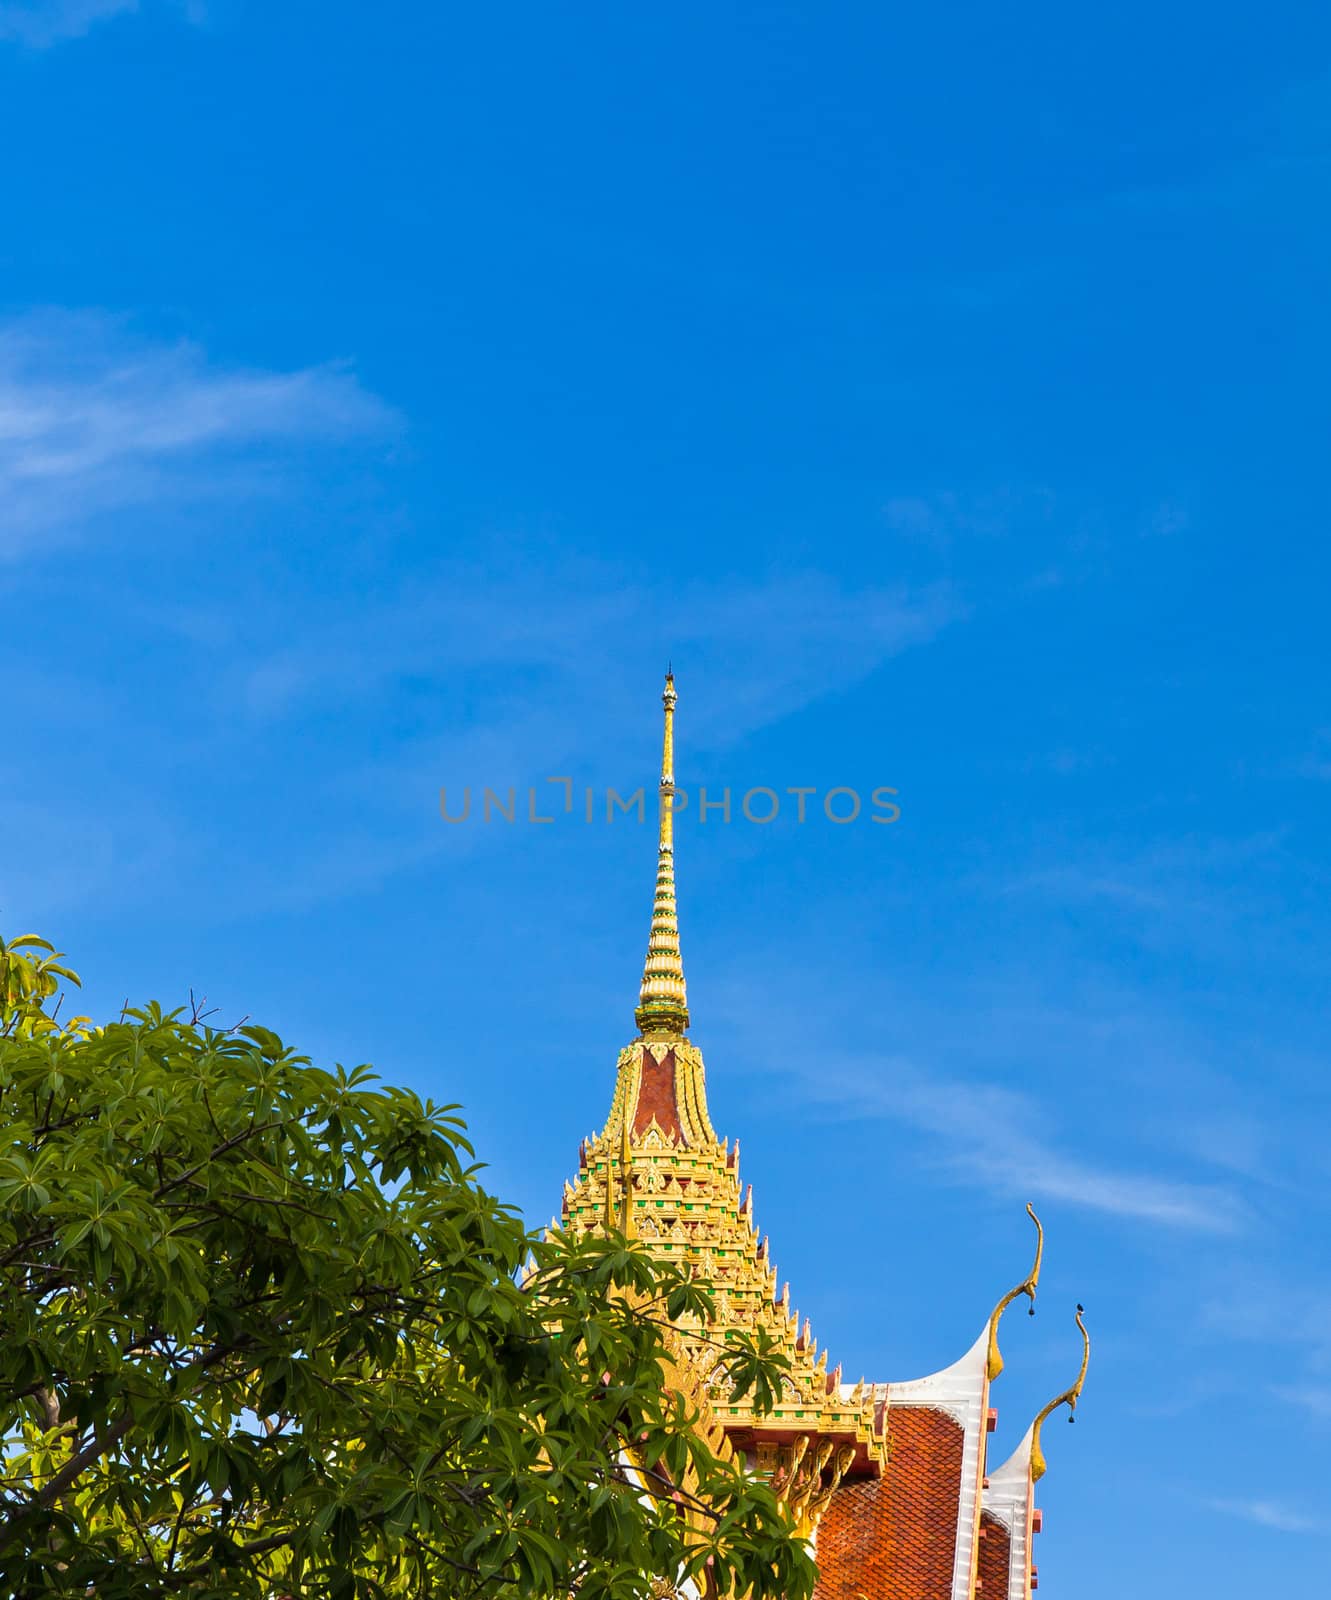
(889, 1480)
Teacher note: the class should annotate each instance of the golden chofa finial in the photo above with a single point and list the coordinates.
(663, 1009)
(1068, 1398)
(1027, 1286)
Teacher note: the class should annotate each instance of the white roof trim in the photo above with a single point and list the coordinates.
(1008, 1500)
(958, 1391)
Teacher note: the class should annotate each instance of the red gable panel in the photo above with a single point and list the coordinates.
(656, 1097)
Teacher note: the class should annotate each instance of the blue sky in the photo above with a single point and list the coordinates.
(387, 393)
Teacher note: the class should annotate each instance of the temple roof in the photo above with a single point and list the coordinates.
(888, 1479)
(658, 1172)
(895, 1537)
(914, 1535)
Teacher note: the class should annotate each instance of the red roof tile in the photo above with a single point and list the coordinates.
(895, 1538)
(994, 1551)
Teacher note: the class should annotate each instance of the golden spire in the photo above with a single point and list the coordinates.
(663, 1009)
(1068, 1398)
(1027, 1287)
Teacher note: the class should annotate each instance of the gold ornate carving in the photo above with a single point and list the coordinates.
(1027, 1286)
(1068, 1398)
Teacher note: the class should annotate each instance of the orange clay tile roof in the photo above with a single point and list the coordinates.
(894, 1538)
(994, 1548)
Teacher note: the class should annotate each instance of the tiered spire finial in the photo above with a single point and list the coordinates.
(663, 1010)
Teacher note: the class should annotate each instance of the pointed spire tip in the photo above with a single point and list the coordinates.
(663, 1010)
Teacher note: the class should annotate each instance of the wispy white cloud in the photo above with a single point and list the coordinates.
(1266, 1309)
(995, 1137)
(536, 663)
(1234, 1141)
(41, 23)
(1285, 1316)
(92, 418)
(941, 518)
(1081, 881)
(1316, 763)
(1209, 891)
(542, 659)
(978, 1131)
(1312, 1399)
(1271, 1514)
(769, 644)
(1168, 518)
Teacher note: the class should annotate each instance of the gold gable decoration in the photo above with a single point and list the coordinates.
(686, 1205)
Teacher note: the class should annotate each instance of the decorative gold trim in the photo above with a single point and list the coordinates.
(609, 1191)
(626, 1184)
(1068, 1398)
(1027, 1286)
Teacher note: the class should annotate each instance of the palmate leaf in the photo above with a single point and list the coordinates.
(265, 1335)
(27, 983)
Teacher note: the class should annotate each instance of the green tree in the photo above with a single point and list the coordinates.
(262, 1333)
(30, 974)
